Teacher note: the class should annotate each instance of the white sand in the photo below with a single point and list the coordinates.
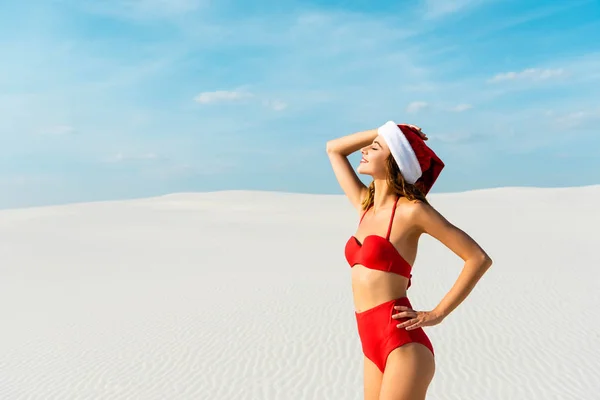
(246, 295)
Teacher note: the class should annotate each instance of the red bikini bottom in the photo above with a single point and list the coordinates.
(379, 334)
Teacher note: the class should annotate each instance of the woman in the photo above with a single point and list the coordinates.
(399, 361)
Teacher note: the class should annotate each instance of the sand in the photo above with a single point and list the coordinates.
(246, 295)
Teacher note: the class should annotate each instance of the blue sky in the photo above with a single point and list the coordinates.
(121, 99)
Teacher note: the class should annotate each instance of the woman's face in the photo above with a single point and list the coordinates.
(374, 157)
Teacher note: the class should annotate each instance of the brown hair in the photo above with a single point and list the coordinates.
(396, 181)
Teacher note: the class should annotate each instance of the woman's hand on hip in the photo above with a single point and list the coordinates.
(417, 319)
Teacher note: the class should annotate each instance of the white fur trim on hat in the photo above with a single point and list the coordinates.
(401, 150)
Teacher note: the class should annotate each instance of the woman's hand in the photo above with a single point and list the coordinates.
(418, 130)
(417, 319)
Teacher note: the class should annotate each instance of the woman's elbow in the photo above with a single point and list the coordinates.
(330, 146)
(485, 260)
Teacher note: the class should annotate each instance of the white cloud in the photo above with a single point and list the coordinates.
(529, 16)
(440, 8)
(224, 96)
(416, 106)
(276, 105)
(221, 96)
(142, 9)
(121, 157)
(533, 74)
(578, 119)
(164, 6)
(461, 107)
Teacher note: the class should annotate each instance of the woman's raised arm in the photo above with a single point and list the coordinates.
(338, 151)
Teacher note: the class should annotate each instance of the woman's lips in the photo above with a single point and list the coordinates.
(362, 160)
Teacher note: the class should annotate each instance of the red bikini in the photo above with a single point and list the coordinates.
(376, 327)
(377, 252)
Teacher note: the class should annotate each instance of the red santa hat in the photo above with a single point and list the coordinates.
(418, 164)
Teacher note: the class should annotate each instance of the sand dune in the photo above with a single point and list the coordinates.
(246, 295)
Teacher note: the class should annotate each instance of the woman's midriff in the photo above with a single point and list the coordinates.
(372, 287)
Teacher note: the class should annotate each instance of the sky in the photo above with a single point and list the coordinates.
(120, 99)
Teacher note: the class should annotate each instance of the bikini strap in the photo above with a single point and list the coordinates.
(392, 219)
(365, 213)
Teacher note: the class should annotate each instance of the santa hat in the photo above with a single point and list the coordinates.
(418, 164)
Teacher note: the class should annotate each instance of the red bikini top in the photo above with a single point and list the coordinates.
(377, 252)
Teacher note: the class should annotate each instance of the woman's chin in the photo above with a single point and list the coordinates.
(362, 170)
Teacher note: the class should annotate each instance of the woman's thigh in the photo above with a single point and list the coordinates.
(408, 373)
(372, 380)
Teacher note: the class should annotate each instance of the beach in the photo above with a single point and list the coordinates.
(246, 295)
